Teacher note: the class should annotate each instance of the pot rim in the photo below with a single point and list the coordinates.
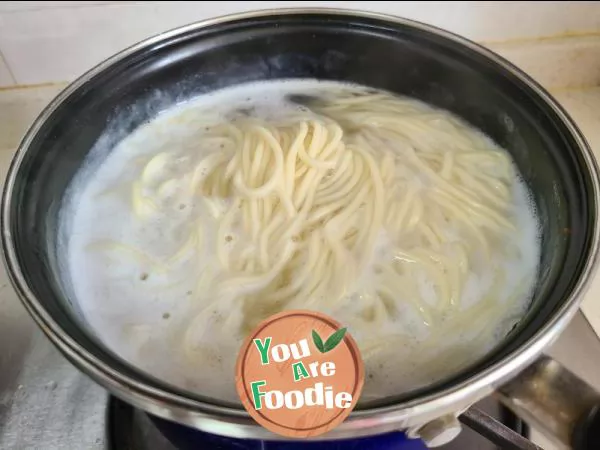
(237, 422)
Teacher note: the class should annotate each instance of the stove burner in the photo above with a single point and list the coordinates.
(131, 429)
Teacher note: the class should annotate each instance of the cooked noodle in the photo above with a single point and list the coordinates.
(308, 204)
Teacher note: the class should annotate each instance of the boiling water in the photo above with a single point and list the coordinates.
(144, 303)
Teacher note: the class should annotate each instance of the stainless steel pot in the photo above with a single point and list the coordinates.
(380, 51)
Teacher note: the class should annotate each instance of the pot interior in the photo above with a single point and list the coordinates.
(401, 58)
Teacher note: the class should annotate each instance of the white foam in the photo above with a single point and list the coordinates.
(123, 297)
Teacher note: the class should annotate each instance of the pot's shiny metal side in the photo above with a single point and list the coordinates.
(236, 422)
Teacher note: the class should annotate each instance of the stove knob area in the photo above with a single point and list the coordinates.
(437, 432)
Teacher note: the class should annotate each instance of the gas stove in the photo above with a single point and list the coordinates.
(47, 404)
(52, 406)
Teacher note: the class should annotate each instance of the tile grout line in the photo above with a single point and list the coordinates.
(10, 72)
(543, 38)
(16, 87)
(573, 88)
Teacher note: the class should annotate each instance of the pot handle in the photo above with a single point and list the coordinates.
(556, 402)
(495, 431)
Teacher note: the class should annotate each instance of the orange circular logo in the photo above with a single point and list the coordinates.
(299, 373)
